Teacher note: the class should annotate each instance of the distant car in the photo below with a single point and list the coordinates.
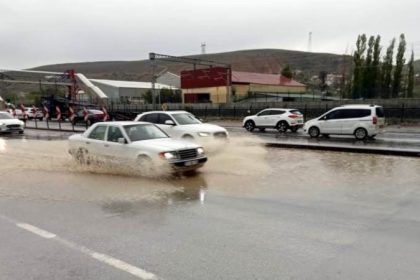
(34, 113)
(362, 121)
(9, 124)
(183, 125)
(136, 143)
(17, 114)
(276, 118)
(94, 116)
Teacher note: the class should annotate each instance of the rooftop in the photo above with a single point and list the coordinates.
(128, 84)
(264, 79)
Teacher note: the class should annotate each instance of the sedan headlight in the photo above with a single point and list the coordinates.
(204, 134)
(167, 155)
(2, 124)
(200, 151)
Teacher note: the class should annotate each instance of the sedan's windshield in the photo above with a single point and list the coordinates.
(5, 116)
(184, 118)
(138, 132)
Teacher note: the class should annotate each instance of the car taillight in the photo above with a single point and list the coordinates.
(375, 120)
(293, 116)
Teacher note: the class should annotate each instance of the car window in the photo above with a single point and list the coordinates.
(138, 132)
(153, 118)
(297, 112)
(5, 116)
(277, 112)
(98, 133)
(163, 118)
(337, 114)
(185, 118)
(114, 133)
(264, 113)
(355, 113)
(380, 112)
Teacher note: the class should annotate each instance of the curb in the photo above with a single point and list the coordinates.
(377, 151)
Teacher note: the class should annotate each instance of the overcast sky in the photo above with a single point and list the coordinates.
(34, 33)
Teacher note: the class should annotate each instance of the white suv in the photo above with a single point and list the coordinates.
(277, 118)
(362, 121)
(183, 125)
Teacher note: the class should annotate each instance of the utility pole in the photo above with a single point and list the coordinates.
(310, 42)
(153, 84)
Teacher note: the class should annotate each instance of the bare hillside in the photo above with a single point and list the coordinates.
(262, 60)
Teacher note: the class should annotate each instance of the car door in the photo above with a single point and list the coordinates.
(94, 143)
(174, 131)
(331, 122)
(114, 150)
(352, 118)
(274, 117)
(263, 118)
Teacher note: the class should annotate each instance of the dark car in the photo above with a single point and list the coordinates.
(93, 117)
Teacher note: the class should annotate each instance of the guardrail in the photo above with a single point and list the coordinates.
(57, 125)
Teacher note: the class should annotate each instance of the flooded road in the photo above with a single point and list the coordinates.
(250, 213)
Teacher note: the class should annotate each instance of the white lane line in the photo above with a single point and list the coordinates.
(111, 261)
(123, 266)
(36, 230)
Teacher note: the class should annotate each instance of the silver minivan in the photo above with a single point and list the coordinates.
(362, 121)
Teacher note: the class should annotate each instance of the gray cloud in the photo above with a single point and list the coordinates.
(34, 33)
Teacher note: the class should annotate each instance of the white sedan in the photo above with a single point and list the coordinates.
(183, 125)
(9, 124)
(139, 143)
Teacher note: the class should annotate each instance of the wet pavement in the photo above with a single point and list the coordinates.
(251, 213)
(394, 139)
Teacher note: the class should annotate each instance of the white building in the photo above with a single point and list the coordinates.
(170, 79)
(123, 91)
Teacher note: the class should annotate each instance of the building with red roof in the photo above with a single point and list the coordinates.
(221, 85)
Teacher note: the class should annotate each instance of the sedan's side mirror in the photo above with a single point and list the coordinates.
(122, 140)
(169, 122)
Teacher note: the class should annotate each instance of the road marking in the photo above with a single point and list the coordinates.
(111, 261)
(123, 266)
(36, 230)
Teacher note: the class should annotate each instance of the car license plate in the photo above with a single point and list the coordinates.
(192, 162)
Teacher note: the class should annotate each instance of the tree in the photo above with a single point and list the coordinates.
(386, 71)
(367, 71)
(400, 61)
(375, 66)
(358, 59)
(323, 81)
(148, 96)
(287, 72)
(166, 96)
(410, 82)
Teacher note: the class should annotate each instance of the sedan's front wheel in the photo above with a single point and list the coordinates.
(145, 165)
(250, 126)
(313, 132)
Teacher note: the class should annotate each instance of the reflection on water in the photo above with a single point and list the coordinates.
(183, 190)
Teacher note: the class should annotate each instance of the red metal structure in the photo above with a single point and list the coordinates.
(210, 77)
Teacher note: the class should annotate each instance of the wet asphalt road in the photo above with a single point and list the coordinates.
(251, 213)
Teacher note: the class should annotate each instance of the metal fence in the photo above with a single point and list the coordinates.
(396, 111)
